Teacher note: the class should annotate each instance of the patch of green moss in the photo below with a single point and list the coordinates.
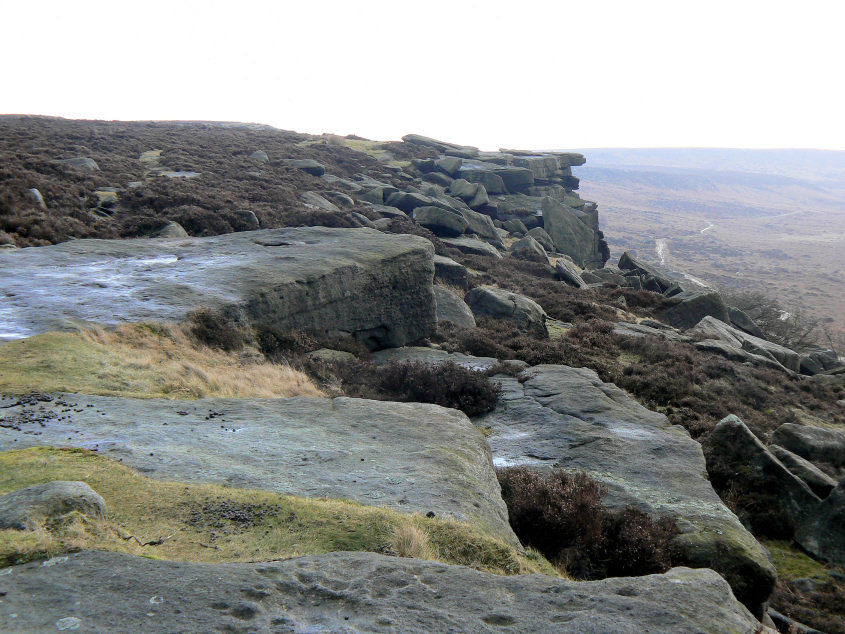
(793, 564)
(211, 523)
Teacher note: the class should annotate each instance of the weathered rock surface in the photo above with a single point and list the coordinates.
(528, 248)
(353, 592)
(411, 457)
(84, 162)
(315, 200)
(311, 166)
(737, 446)
(473, 246)
(645, 330)
(171, 230)
(444, 223)
(819, 482)
(716, 329)
(260, 156)
(25, 508)
(488, 179)
(659, 281)
(692, 307)
(823, 533)
(560, 417)
(542, 236)
(527, 314)
(376, 286)
(452, 309)
(440, 146)
(742, 321)
(573, 237)
(566, 272)
(450, 272)
(819, 445)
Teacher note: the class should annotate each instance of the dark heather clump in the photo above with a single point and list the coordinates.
(563, 517)
(213, 329)
(446, 384)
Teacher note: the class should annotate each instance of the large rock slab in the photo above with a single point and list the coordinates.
(25, 508)
(555, 416)
(823, 533)
(694, 306)
(742, 452)
(411, 457)
(352, 592)
(573, 237)
(523, 311)
(630, 263)
(819, 445)
(452, 309)
(472, 246)
(819, 482)
(375, 286)
(713, 328)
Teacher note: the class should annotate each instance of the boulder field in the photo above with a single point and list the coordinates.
(554, 416)
(351, 592)
(375, 286)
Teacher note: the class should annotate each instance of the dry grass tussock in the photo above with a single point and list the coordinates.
(144, 360)
(410, 541)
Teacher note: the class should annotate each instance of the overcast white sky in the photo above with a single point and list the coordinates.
(526, 74)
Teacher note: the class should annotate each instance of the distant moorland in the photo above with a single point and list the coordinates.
(770, 220)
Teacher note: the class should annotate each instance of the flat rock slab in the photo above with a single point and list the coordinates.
(374, 285)
(352, 592)
(555, 416)
(410, 457)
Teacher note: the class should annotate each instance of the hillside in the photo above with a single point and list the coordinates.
(253, 379)
(767, 220)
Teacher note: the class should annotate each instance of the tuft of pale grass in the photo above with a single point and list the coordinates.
(457, 290)
(143, 361)
(410, 540)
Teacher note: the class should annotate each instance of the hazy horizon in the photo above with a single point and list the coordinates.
(606, 74)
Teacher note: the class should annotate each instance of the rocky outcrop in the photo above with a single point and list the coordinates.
(566, 272)
(528, 248)
(450, 272)
(560, 417)
(819, 445)
(572, 236)
(411, 457)
(714, 329)
(692, 307)
(527, 314)
(738, 449)
(375, 286)
(819, 482)
(310, 166)
(26, 509)
(452, 309)
(352, 592)
(442, 222)
(473, 246)
(650, 277)
(823, 533)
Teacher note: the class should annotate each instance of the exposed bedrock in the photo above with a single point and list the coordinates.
(562, 417)
(375, 286)
(411, 457)
(352, 592)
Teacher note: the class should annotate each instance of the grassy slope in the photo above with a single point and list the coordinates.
(211, 523)
(142, 361)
